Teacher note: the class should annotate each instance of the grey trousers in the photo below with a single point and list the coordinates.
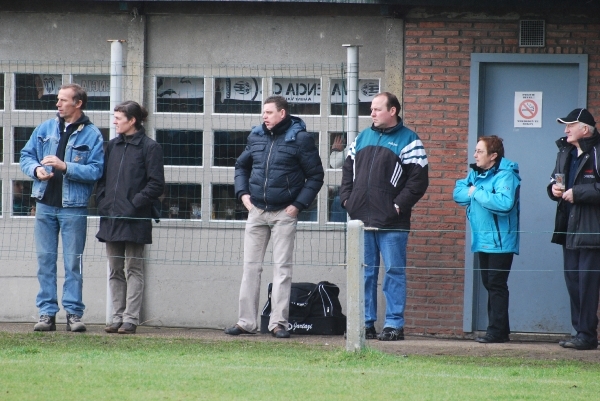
(127, 293)
(260, 227)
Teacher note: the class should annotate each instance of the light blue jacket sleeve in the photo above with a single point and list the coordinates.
(461, 190)
(501, 198)
(29, 159)
(90, 171)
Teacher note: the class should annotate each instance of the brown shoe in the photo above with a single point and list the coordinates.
(280, 332)
(127, 328)
(113, 328)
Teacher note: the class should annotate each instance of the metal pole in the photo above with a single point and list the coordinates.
(116, 97)
(355, 308)
(116, 77)
(352, 86)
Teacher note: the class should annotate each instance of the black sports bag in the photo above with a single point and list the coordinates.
(314, 309)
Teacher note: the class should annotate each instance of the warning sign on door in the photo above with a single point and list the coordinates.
(528, 109)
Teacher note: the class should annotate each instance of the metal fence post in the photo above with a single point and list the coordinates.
(355, 308)
(116, 97)
(352, 86)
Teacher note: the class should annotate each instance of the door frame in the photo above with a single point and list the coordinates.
(478, 60)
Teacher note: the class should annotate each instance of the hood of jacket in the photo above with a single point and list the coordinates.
(502, 164)
(289, 126)
(82, 120)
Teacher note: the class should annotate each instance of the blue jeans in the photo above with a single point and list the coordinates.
(72, 224)
(392, 247)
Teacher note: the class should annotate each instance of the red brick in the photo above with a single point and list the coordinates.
(429, 70)
(446, 33)
(418, 48)
(418, 33)
(430, 40)
(418, 62)
(418, 77)
(430, 24)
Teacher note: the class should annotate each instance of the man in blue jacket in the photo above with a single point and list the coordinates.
(383, 177)
(65, 158)
(277, 176)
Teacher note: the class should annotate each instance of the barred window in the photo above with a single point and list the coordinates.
(20, 137)
(241, 95)
(97, 88)
(22, 202)
(225, 205)
(180, 95)
(367, 89)
(180, 147)
(229, 145)
(1, 91)
(36, 91)
(303, 94)
(181, 201)
(336, 214)
(337, 149)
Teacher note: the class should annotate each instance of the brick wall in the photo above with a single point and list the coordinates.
(436, 106)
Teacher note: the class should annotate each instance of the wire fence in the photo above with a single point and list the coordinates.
(201, 115)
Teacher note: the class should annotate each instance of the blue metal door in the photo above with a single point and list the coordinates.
(538, 297)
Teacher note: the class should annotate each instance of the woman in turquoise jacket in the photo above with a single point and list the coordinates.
(491, 194)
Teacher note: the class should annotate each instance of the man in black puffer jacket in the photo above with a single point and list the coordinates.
(577, 228)
(277, 176)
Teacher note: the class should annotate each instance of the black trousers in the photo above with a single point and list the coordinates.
(582, 275)
(495, 268)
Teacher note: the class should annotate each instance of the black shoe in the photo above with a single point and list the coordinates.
(280, 332)
(391, 334)
(74, 323)
(236, 331)
(563, 342)
(580, 344)
(370, 333)
(127, 328)
(46, 323)
(113, 328)
(490, 339)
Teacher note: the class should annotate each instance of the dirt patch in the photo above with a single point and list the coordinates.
(521, 346)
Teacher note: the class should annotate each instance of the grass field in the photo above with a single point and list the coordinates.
(58, 366)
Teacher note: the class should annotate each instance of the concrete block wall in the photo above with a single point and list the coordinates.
(436, 105)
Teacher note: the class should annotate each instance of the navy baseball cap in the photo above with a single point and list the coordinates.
(578, 116)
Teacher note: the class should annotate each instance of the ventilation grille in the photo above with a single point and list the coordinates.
(532, 33)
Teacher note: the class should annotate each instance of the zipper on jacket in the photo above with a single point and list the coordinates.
(119, 176)
(267, 171)
(498, 230)
(371, 170)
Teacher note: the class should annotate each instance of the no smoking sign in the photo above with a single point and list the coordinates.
(528, 110)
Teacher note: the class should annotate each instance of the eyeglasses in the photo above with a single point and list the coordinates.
(480, 152)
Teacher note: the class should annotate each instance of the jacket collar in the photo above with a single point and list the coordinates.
(586, 144)
(389, 130)
(78, 125)
(137, 137)
(290, 127)
(280, 128)
(493, 169)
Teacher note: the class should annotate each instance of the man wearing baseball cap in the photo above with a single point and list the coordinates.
(577, 224)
